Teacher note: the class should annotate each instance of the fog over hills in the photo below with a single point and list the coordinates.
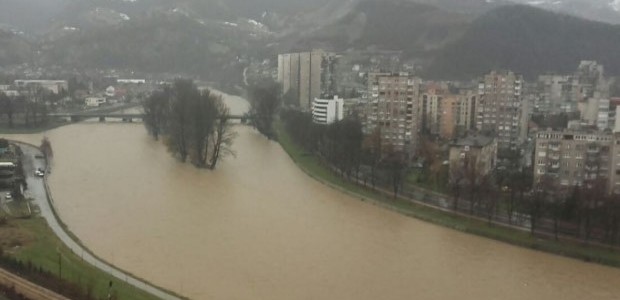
(39, 15)
(455, 38)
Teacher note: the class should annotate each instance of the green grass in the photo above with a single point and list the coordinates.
(419, 178)
(313, 167)
(44, 252)
(19, 208)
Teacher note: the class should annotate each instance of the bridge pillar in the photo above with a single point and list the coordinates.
(102, 119)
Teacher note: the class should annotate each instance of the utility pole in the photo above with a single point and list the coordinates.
(59, 270)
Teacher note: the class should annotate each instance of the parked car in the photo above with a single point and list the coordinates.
(8, 196)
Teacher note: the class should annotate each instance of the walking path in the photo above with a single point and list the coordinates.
(39, 191)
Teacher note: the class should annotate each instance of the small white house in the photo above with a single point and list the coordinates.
(110, 91)
(95, 101)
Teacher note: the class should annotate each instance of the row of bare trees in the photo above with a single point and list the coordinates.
(265, 100)
(510, 195)
(344, 147)
(25, 111)
(194, 124)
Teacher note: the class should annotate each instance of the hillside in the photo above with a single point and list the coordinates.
(13, 49)
(530, 41)
(159, 43)
(395, 25)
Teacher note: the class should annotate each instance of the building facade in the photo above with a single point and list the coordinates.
(53, 86)
(305, 76)
(572, 158)
(467, 110)
(478, 151)
(327, 111)
(499, 111)
(394, 110)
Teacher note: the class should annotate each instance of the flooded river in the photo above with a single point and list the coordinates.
(259, 228)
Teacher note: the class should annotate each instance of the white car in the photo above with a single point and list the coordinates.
(39, 173)
(8, 196)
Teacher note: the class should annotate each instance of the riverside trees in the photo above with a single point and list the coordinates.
(265, 99)
(194, 124)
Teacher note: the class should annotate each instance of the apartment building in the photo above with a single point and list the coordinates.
(305, 76)
(466, 110)
(556, 94)
(394, 110)
(430, 101)
(573, 157)
(448, 116)
(499, 111)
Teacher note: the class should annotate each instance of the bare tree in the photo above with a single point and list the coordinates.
(536, 202)
(192, 122)
(202, 117)
(395, 165)
(156, 111)
(223, 136)
(265, 100)
(178, 138)
(456, 181)
(46, 148)
(7, 105)
(372, 149)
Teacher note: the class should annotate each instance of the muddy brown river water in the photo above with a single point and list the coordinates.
(259, 228)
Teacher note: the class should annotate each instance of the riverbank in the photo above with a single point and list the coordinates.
(56, 250)
(312, 166)
(43, 250)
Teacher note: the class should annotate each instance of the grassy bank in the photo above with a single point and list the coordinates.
(40, 246)
(314, 168)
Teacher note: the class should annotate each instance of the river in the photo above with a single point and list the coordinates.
(259, 228)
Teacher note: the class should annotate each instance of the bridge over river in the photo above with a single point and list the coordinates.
(124, 117)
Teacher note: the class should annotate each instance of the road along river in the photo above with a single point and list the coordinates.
(259, 228)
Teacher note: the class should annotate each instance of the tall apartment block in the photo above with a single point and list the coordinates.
(306, 76)
(499, 111)
(466, 110)
(445, 114)
(567, 93)
(557, 93)
(394, 110)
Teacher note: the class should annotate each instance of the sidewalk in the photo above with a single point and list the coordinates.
(40, 192)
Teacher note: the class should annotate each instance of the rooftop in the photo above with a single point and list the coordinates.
(474, 141)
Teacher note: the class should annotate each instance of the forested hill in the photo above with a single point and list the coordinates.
(530, 41)
(160, 43)
(13, 49)
(391, 24)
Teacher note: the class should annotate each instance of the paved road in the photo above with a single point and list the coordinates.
(37, 190)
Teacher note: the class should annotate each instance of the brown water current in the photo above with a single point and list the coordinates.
(259, 228)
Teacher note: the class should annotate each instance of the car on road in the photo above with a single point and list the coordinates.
(8, 196)
(39, 173)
